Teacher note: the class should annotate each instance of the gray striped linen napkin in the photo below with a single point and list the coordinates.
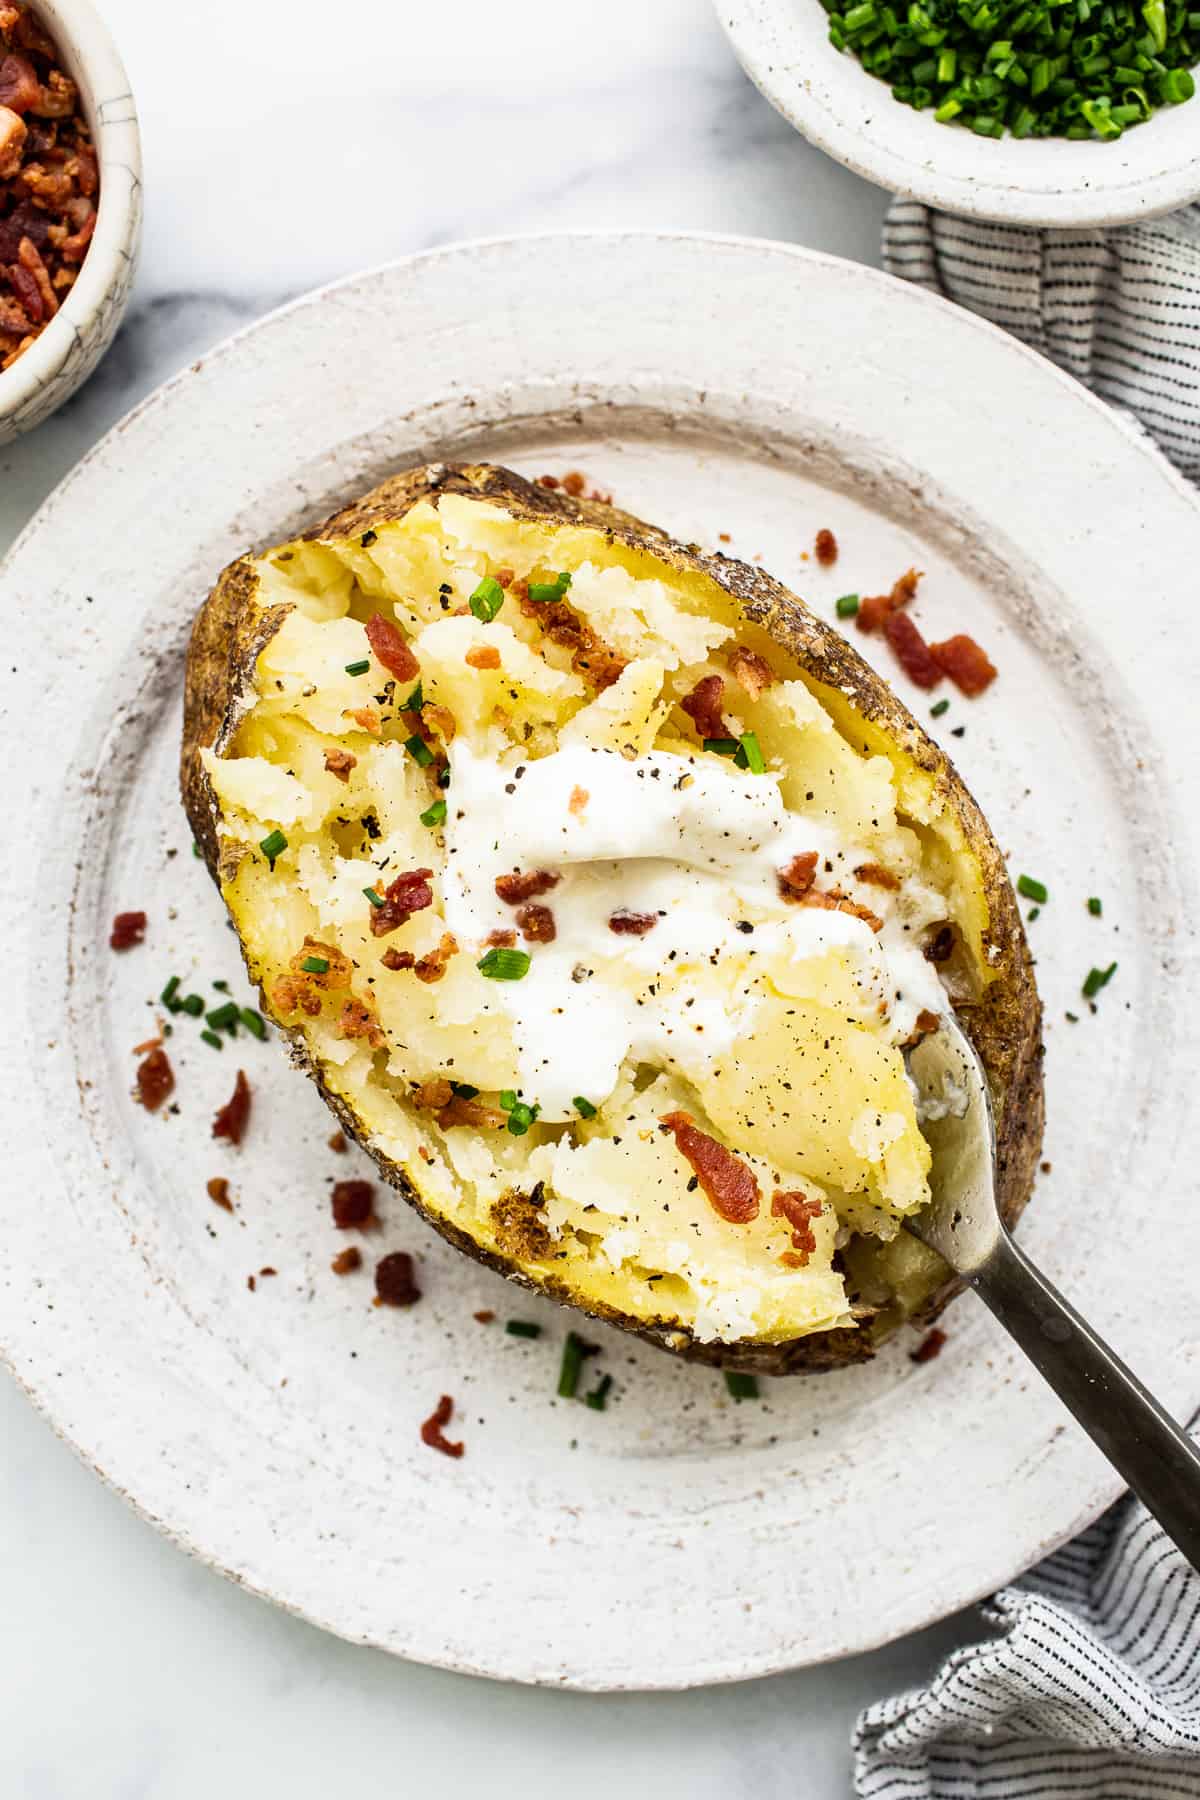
(1088, 1686)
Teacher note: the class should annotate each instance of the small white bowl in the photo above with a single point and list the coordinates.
(784, 47)
(76, 338)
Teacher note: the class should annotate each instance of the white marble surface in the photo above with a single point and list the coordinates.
(276, 159)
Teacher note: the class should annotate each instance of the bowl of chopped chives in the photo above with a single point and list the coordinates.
(1036, 112)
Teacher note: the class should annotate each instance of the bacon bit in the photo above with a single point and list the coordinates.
(835, 901)
(337, 1143)
(358, 1020)
(485, 1316)
(396, 1281)
(347, 1260)
(590, 655)
(929, 1347)
(927, 1021)
(432, 967)
(724, 537)
(791, 1259)
(505, 577)
(574, 483)
(340, 763)
(155, 1080)
(336, 977)
(631, 924)
(128, 929)
(432, 1095)
(875, 875)
(366, 718)
(500, 940)
(751, 671)
(20, 88)
(940, 947)
(912, 652)
(796, 880)
(218, 1191)
(729, 1185)
(443, 1412)
(407, 894)
(965, 663)
(442, 719)
(398, 959)
(288, 996)
(703, 706)
(547, 481)
(536, 924)
(267, 1270)
(144, 1049)
(826, 548)
(475, 1113)
(577, 804)
(251, 1283)
(483, 656)
(353, 1204)
(798, 1210)
(517, 887)
(876, 609)
(390, 648)
(232, 1119)
(29, 259)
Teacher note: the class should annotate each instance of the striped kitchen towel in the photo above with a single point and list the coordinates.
(1120, 308)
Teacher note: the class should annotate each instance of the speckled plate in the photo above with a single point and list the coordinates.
(716, 386)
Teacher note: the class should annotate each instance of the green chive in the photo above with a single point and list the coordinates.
(847, 606)
(253, 1021)
(419, 750)
(273, 846)
(1029, 889)
(545, 593)
(507, 1099)
(212, 1040)
(1095, 907)
(521, 1117)
(523, 1328)
(504, 965)
(574, 1352)
(222, 987)
(315, 965)
(1098, 978)
(435, 814)
(741, 1387)
(196, 850)
(192, 1004)
(597, 1399)
(223, 1018)
(749, 754)
(360, 667)
(583, 1107)
(487, 600)
(1155, 15)
(415, 701)
(722, 746)
(1035, 912)
(373, 897)
(938, 708)
(168, 995)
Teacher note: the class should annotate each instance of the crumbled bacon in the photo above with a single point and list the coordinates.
(20, 89)
(358, 1020)
(484, 1316)
(796, 880)
(233, 1117)
(443, 1412)
(353, 1204)
(396, 1281)
(833, 900)
(751, 671)
(442, 720)
(432, 1095)
(408, 894)
(432, 966)
(826, 548)
(459, 1110)
(289, 996)
(912, 652)
(483, 656)
(155, 1079)
(337, 1143)
(798, 1210)
(965, 663)
(366, 718)
(528, 886)
(940, 947)
(547, 481)
(505, 577)
(876, 609)
(218, 1191)
(128, 929)
(148, 1044)
(390, 648)
(536, 923)
(398, 959)
(927, 1021)
(590, 655)
(574, 483)
(875, 875)
(929, 1347)
(577, 804)
(347, 1260)
(729, 1184)
(500, 940)
(626, 923)
(340, 763)
(309, 984)
(703, 706)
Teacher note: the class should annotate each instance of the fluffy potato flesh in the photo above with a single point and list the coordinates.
(739, 931)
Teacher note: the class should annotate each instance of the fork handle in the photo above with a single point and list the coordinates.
(1157, 1459)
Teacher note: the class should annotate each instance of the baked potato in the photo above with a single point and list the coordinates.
(600, 886)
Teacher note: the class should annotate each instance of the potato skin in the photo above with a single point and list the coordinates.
(1004, 1027)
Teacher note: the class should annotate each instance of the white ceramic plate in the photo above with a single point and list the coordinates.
(716, 385)
(784, 47)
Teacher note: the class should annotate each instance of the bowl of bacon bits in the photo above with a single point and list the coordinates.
(70, 203)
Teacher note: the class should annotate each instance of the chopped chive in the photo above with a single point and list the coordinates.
(415, 701)
(750, 755)
(575, 1350)
(597, 1399)
(196, 850)
(507, 1099)
(360, 667)
(419, 750)
(212, 1040)
(464, 1090)
(373, 897)
(523, 1328)
(847, 606)
(223, 1018)
(192, 1004)
(938, 708)
(487, 599)
(1098, 978)
(521, 1117)
(273, 846)
(741, 1387)
(583, 1107)
(315, 965)
(501, 964)
(222, 987)
(722, 746)
(443, 779)
(546, 592)
(168, 995)
(1029, 889)
(435, 814)
(1035, 912)
(1095, 907)
(253, 1021)
(1071, 1018)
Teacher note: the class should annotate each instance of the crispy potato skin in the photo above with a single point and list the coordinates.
(1005, 1026)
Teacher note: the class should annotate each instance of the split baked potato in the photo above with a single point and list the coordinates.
(601, 886)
